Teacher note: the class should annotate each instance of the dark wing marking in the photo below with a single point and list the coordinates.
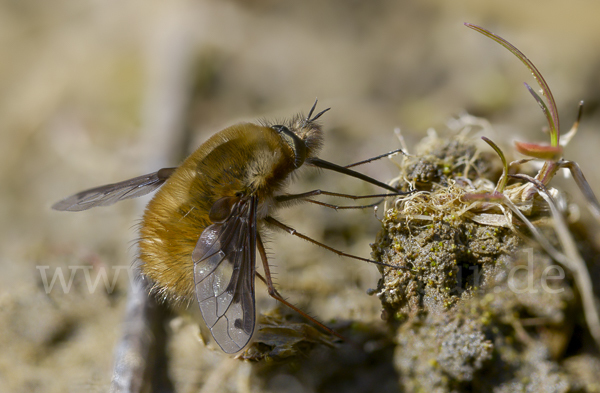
(224, 269)
(111, 193)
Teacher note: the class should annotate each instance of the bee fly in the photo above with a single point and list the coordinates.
(199, 234)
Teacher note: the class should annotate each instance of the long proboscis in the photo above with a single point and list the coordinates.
(337, 168)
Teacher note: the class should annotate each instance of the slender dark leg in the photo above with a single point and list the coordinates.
(375, 158)
(292, 231)
(304, 197)
(290, 197)
(275, 294)
(337, 207)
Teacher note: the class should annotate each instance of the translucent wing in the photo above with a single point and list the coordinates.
(111, 193)
(224, 263)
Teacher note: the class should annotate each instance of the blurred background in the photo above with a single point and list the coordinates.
(94, 92)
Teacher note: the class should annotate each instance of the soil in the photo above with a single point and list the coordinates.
(83, 85)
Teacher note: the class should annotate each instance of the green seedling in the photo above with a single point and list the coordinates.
(553, 153)
(504, 178)
(518, 198)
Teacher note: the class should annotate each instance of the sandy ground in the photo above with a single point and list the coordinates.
(83, 84)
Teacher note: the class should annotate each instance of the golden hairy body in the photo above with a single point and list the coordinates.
(243, 159)
(199, 234)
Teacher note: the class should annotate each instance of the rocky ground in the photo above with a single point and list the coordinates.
(86, 86)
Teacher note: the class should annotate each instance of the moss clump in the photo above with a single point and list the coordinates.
(429, 232)
(437, 161)
(477, 308)
(441, 354)
(448, 256)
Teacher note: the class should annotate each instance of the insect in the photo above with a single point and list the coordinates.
(199, 234)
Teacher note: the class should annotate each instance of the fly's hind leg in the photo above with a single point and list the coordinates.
(277, 296)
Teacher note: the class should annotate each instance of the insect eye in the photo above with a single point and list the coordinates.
(298, 146)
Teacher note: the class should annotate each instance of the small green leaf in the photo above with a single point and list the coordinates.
(553, 122)
(542, 104)
(503, 179)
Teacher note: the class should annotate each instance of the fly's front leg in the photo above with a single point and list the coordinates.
(273, 222)
(377, 158)
(338, 207)
(290, 199)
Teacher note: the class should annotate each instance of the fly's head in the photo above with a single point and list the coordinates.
(303, 135)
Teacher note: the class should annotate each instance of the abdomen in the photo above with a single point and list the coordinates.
(178, 214)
